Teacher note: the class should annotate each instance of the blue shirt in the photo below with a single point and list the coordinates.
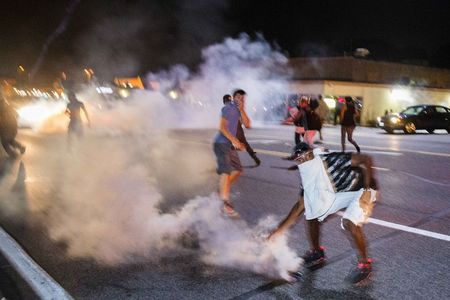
(232, 114)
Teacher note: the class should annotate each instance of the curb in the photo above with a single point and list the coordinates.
(39, 281)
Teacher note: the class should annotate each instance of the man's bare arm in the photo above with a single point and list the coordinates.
(364, 161)
(244, 118)
(291, 218)
(224, 130)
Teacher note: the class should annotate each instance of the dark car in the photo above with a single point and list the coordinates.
(428, 117)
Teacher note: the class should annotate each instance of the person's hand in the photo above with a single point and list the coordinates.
(238, 145)
(273, 235)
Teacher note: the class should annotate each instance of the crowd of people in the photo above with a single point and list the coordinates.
(309, 115)
(329, 181)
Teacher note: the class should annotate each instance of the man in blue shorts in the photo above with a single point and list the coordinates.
(226, 145)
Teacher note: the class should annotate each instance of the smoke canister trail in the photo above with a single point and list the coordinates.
(58, 31)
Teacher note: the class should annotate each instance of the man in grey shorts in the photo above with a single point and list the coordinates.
(225, 145)
(331, 182)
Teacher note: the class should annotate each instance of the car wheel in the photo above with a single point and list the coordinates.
(389, 130)
(409, 128)
(430, 130)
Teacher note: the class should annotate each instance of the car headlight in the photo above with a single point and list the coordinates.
(395, 120)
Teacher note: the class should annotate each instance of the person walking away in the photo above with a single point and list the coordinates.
(348, 124)
(298, 115)
(313, 121)
(8, 129)
(322, 110)
(73, 110)
(225, 148)
(241, 135)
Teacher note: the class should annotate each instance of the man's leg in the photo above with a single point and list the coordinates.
(309, 137)
(350, 137)
(313, 232)
(314, 258)
(234, 176)
(6, 143)
(224, 186)
(297, 138)
(18, 145)
(356, 237)
(343, 132)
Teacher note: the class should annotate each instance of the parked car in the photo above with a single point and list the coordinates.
(428, 117)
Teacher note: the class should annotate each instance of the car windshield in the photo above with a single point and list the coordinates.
(413, 110)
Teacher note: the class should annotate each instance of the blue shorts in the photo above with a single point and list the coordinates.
(227, 158)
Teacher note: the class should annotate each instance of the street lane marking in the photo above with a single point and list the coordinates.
(424, 179)
(371, 147)
(41, 283)
(381, 169)
(418, 231)
(427, 233)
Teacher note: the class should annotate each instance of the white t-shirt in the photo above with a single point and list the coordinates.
(319, 194)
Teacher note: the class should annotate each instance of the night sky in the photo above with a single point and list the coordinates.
(120, 37)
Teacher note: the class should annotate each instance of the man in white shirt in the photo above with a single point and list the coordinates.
(352, 189)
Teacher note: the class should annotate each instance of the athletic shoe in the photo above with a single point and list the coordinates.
(228, 210)
(314, 259)
(361, 272)
(294, 276)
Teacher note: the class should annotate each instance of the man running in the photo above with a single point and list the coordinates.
(225, 145)
(351, 187)
(241, 136)
(73, 110)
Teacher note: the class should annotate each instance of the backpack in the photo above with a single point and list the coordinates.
(313, 104)
(314, 122)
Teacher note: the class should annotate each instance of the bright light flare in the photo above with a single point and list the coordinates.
(401, 94)
(36, 113)
(395, 120)
(331, 103)
(173, 94)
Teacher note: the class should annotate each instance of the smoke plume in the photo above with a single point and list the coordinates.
(117, 195)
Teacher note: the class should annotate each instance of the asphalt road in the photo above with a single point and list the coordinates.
(46, 199)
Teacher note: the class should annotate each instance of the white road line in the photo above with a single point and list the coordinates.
(371, 147)
(427, 233)
(41, 283)
(381, 169)
(411, 229)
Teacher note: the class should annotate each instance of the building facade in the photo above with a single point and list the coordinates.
(380, 86)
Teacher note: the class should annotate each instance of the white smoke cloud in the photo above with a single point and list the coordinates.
(109, 193)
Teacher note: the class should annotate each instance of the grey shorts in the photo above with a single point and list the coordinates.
(227, 158)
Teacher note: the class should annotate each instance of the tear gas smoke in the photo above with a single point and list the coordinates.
(106, 196)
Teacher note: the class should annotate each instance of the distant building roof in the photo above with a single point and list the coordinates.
(364, 70)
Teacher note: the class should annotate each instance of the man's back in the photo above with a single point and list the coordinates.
(74, 108)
